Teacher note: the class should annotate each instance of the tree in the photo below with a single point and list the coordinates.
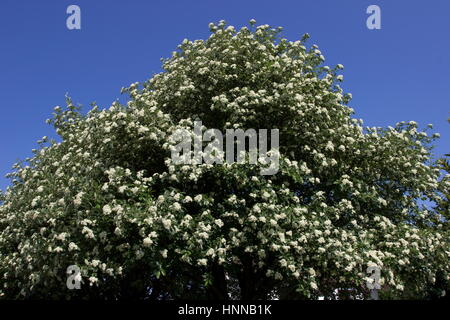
(108, 198)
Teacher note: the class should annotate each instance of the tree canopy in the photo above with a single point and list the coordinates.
(108, 198)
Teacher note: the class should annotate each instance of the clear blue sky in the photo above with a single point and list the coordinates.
(401, 72)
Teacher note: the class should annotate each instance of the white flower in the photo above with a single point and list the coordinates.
(329, 146)
(107, 209)
(62, 236)
(143, 129)
(118, 208)
(88, 232)
(148, 242)
(176, 206)
(166, 223)
(78, 199)
(95, 263)
(219, 222)
(73, 246)
(92, 280)
(347, 182)
(34, 202)
(202, 262)
(134, 190)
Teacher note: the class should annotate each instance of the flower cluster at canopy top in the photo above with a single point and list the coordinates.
(108, 199)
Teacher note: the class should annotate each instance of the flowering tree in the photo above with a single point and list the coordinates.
(108, 199)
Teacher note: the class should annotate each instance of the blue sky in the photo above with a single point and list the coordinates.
(401, 72)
